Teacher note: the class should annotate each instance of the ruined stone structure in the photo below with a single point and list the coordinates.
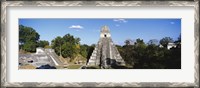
(105, 53)
(41, 57)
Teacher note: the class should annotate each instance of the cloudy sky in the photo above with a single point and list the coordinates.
(121, 29)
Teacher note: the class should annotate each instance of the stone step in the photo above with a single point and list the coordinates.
(105, 48)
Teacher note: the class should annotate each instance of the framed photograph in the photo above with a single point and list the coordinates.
(100, 43)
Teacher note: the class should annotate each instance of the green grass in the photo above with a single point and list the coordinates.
(59, 67)
(93, 67)
(74, 66)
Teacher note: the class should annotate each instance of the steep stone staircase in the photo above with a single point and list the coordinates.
(54, 57)
(105, 54)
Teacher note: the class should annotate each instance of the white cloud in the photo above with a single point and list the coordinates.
(76, 27)
(120, 20)
(172, 23)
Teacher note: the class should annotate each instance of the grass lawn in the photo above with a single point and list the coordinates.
(27, 67)
(74, 66)
(93, 67)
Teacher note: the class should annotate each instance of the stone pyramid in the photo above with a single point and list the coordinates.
(105, 53)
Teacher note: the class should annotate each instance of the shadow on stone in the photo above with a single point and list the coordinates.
(115, 65)
(119, 67)
(47, 66)
(90, 67)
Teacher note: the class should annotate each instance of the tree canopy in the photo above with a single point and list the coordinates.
(164, 41)
(43, 43)
(150, 55)
(28, 38)
(68, 46)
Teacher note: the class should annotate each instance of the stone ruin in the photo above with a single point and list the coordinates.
(105, 53)
(41, 57)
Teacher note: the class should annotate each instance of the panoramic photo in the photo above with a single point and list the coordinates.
(98, 43)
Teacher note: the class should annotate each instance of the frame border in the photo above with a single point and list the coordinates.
(5, 4)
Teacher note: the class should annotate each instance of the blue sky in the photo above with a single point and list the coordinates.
(121, 29)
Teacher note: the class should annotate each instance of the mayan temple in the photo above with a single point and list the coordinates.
(105, 54)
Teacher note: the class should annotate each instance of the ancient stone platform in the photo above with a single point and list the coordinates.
(105, 53)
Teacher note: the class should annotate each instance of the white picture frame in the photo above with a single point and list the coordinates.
(4, 42)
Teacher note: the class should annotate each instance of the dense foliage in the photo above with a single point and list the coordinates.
(43, 43)
(151, 55)
(69, 47)
(29, 39)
